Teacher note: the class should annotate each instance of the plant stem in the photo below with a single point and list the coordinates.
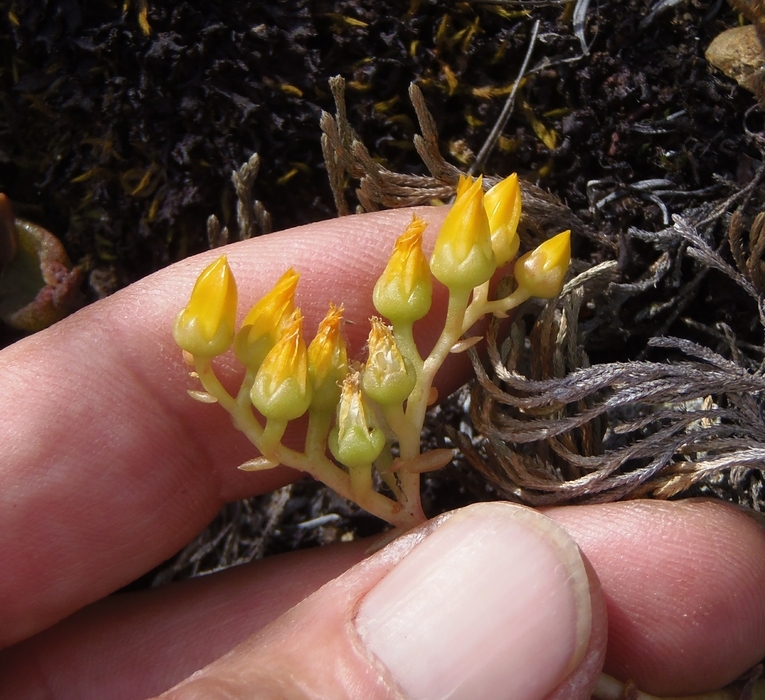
(402, 333)
(499, 307)
(317, 465)
(319, 424)
(417, 403)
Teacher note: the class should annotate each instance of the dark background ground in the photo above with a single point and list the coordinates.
(123, 143)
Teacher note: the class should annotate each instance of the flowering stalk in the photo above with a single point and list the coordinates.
(358, 413)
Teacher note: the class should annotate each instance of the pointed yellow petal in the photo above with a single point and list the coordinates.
(404, 290)
(463, 257)
(503, 206)
(542, 271)
(281, 390)
(265, 322)
(205, 328)
(328, 360)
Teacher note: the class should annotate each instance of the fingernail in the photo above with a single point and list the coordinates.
(494, 603)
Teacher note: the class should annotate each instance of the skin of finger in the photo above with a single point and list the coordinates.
(313, 650)
(109, 467)
(153, 626)
(135, 645)
(684, 586)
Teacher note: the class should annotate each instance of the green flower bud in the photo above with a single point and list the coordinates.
(263, 325)
(503, 206)
(388, 377)
(403, 292)
(463, 257)
(355, 442)
(205, 328)
(541, 272)
(328, 360)
(281, 390)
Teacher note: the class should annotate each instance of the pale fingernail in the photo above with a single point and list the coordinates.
(494, 603)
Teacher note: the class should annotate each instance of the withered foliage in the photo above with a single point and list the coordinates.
(553, 427)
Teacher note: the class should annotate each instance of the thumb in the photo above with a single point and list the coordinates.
(492, 601)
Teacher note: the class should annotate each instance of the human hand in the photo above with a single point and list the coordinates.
(109, 469)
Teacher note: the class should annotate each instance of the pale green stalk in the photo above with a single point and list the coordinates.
(318, 466)
(402, 333)
(479, 307)
(417, 403)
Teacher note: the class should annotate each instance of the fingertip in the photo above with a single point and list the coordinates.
(490, 602)
(683, 583)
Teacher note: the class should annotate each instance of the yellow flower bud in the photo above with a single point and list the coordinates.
(355, 442)
(541, 271)
(265, 322)
(328, 360)
(205, 328)
(388, 377)
(463, 184)
(403, 292)
(463, 257)
(281, 390)
(503, 206)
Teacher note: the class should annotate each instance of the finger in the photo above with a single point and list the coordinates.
(109, 467)
(633, 545)
(492, 602)
(683, 583)
(136, 645)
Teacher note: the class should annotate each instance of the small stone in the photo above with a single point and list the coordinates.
(738, 53)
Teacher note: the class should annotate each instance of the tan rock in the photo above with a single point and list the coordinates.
(738, 53)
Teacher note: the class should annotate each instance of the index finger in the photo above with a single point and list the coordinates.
(109, 467)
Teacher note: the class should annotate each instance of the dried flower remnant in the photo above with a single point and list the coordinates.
(388, 376)
(38, 284)
(358, 420)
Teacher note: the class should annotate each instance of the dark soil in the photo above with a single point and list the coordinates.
(123, 144)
